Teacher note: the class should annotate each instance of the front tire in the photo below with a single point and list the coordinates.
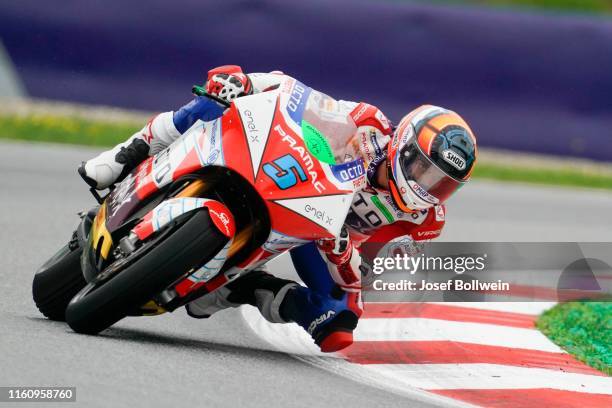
(57, 281)
(100, 305)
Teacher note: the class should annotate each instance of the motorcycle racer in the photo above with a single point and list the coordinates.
(411, 171)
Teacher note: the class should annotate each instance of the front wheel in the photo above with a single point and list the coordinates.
(158, 264)
(57, 281)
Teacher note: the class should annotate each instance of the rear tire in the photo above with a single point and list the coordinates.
(98, 307)
(57, 281)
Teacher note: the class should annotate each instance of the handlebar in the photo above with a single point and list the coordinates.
(201, 91)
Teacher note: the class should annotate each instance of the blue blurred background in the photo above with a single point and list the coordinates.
(526, 81)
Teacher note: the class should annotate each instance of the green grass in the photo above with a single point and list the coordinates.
(570, 177)
(49, 128)
(584, 329)
(580, 6)
(592, 6)
(73, 130)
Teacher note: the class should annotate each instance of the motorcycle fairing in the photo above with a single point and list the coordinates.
(260, 138)
(199, 147)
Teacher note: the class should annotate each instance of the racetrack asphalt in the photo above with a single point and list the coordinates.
(174, 360)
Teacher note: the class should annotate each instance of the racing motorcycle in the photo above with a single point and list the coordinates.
(226, 197)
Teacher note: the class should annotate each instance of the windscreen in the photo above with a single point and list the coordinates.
(328, 130)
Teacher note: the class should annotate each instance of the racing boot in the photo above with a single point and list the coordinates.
(329, 319)
(113, 165)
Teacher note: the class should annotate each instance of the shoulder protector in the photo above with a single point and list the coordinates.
(367, 115)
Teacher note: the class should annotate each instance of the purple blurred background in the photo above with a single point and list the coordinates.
(540, 83)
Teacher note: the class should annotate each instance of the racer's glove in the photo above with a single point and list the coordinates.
(228, 82)
(339, 249)
(224, 83)
(342, 261)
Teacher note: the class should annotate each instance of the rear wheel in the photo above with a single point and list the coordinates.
(57, 281)
(148, 271)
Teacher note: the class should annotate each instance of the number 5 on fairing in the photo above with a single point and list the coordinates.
(285, 171)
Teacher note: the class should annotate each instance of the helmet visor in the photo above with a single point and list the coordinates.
(426, 180)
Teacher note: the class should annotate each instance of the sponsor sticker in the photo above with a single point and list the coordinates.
(316, 213)
(122, 194)
(220, 216)
(453, 159)
(317, 143)
(316, 322)
(349, 171)
(428, 233)
(297, 101)
(212, 157)
(422, 193)
(374, 140)
(213, 133)
(278, 242)
(440, 215)
(250, 127)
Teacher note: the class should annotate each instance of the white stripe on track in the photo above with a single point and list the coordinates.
(490, 376)
(419, 329)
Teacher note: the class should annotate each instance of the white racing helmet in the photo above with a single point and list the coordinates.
(431, 155)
